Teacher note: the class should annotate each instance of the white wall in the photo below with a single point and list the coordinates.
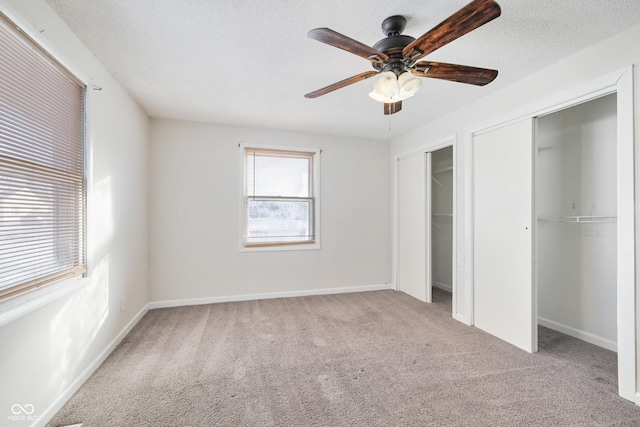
(524, 97)
(46, 354)
(576, 175)
(195, 213)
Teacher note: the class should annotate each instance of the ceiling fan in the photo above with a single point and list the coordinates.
(396, 56)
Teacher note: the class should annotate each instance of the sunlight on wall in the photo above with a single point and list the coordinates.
(100, 217)
(76, 325)
(78, 322)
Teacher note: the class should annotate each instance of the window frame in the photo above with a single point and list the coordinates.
(244, 197)
(19, 300)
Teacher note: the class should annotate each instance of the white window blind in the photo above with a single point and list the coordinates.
(41, 166)
(279, 196)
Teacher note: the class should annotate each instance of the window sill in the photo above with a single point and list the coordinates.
(275, 248)
(22, 305)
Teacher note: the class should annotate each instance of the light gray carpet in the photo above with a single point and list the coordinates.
(364, 359)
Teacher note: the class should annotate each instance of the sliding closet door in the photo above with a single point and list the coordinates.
(503, 235)
(414, 254)
(628, 375)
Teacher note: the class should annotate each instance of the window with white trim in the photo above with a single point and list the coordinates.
(280, 197)
(42, 182)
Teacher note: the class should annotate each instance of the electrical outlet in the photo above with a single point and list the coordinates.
(123, 304)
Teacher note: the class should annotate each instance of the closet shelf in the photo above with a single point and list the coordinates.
(583, 218)
(446, 215)
(450, 168)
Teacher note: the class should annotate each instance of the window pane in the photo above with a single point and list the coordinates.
(279, 221)
(278, 176)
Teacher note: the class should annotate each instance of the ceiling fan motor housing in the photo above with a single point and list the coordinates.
(392, 45)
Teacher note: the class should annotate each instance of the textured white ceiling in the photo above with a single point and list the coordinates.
(249, 63)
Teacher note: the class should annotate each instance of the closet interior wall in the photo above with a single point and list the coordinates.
(442, 218)
(576, 229)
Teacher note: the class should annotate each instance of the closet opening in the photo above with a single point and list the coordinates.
(442, 227)
(576, 235)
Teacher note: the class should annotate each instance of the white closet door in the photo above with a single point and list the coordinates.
(626, 271)
(414, 254)
(503, 235)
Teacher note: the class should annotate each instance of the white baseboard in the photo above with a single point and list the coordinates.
(638, 398)
(576, 333)
(443, 286)
(269, 295)
(46, 416)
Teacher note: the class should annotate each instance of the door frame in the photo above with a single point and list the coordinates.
(621, 83)
(449, 141)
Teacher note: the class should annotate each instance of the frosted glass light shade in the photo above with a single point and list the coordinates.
(409, 85)
(389, 88)
(386, 88)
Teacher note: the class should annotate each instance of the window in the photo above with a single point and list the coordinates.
(42, 186)
(280, 197)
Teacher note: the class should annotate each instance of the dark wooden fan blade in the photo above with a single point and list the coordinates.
(341, 84)
(454, 72)
(332, 38)
(467, 19)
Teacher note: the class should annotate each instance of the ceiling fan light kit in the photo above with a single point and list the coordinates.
(391, 88)
(395, 57)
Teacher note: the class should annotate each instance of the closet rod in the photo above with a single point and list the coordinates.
(583, 218)
(587, 218)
